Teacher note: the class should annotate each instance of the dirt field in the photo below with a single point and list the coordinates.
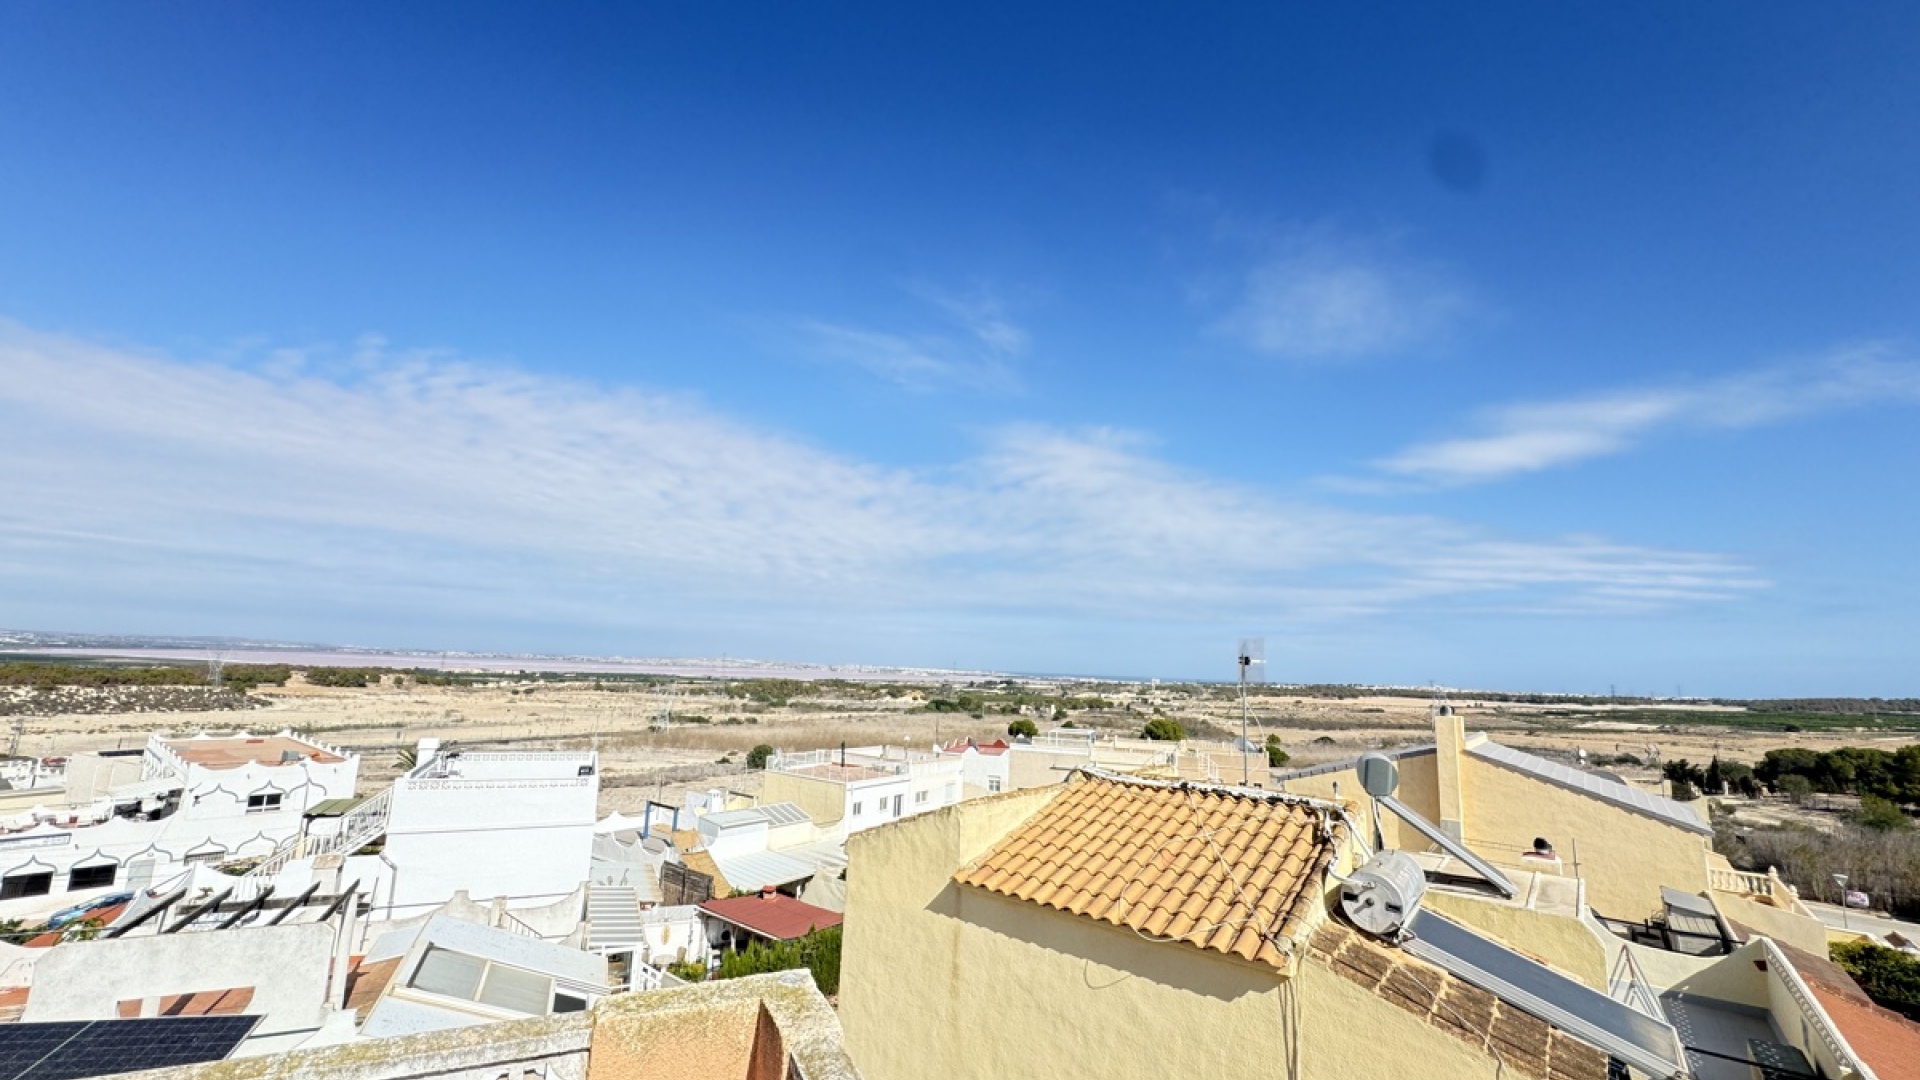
(657, 739)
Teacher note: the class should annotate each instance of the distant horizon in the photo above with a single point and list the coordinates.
(181, 648)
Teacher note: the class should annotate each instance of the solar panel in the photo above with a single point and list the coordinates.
(22, 1046)
(1575, 1008)
(72, 1049)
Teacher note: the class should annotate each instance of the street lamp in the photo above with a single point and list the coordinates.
(1841, 880)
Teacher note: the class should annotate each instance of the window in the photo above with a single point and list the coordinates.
(857, 807)
(474, 978)
(517, 990)
(14, 886)
(450, 973)
(897, 800)
(993, 783)
(919, 798)
(264, 803)
(92, 877)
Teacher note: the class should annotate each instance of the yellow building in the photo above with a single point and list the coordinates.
(1121, 927)
(1624, 843)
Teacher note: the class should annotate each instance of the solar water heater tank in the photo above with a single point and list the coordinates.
(1384, 894)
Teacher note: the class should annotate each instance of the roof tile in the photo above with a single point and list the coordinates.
(1218, 869)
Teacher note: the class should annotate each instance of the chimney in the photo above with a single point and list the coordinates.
(424, 751)
(1449, 743)
(768, 892)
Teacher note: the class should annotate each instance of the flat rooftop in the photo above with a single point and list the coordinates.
(231, 753)
(840, 774)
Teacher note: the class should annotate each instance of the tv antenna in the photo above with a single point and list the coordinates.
(216, 663)
(1253, 668)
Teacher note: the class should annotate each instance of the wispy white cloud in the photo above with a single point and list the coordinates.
(976, 347)
(1535, 436)
(1317, 296)
(420, 479)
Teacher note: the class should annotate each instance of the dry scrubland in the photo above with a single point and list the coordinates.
(657, 738)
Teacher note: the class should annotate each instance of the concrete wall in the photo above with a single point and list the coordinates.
(291, 968)
(941, 980)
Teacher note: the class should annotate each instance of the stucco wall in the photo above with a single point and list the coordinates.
(823, 800)
(527, 839)
(941, 980)
(1419, 789)
(289, 967)
(1624, 857)
(1031, 767)
(1781, 925)
(1562, 941)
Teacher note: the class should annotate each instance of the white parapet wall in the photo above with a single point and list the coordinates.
(517, 826)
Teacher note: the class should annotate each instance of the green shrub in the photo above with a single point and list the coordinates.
(1276, 756)
(1880, 815)
(1023, 727)
(757, 757)
(688, 971)
(1163, 729)
(818, 952)
(1890, 977)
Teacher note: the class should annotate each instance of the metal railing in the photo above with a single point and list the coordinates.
(358, 828)
(1626, 982)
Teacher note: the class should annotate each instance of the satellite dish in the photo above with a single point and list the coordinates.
(1379, 776)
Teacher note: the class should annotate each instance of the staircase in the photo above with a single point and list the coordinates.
(613, 917)
(359, 827)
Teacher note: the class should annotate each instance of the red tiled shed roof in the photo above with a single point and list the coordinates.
(1889, 1042)
(773, 915)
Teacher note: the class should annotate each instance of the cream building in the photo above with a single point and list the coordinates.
(1132, 928)
(1128, 927)
(1624, 843)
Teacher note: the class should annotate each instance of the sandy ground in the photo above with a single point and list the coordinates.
(629, 724)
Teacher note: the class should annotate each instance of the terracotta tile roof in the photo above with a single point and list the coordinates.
(1519, 1040)
(961, 746)
(231, 753)
(1218, 870)
(366, 982)
(199, 1003)
(773, 915)
(1889, 1042)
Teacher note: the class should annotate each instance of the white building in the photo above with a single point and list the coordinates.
(129, 818)
(448, 973)
(985, 768)
(514, 827)
(855, 789)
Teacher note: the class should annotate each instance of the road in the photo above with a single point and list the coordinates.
(1862, 921)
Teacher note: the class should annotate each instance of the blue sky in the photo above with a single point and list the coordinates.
(1516, 347)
